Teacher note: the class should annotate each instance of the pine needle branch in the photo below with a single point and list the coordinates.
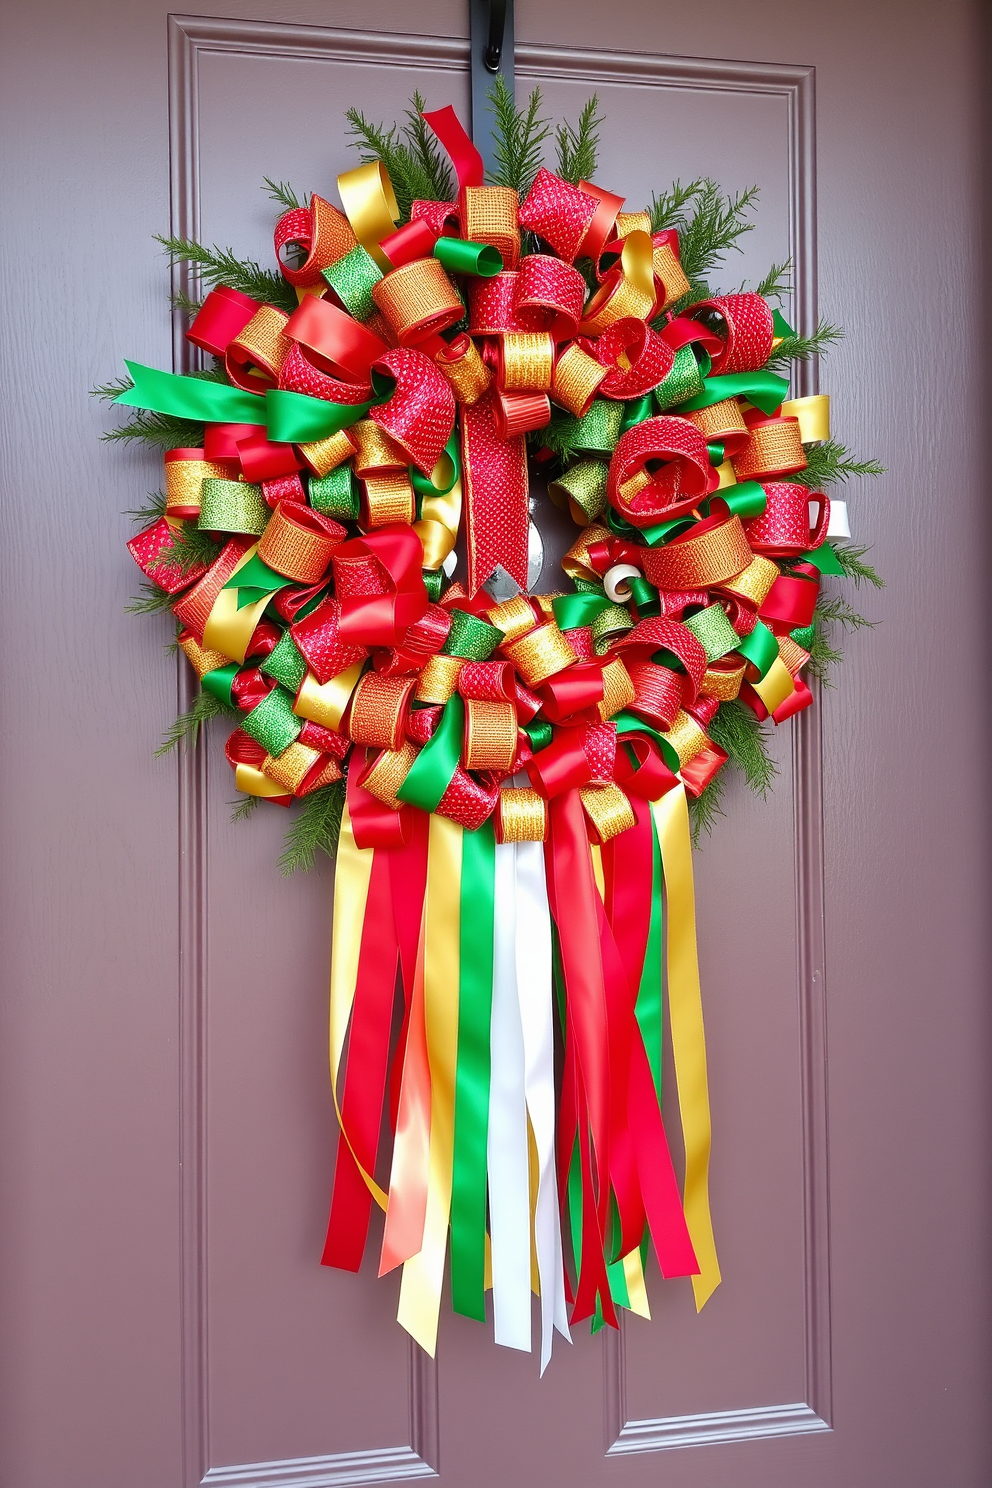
(705, 808)
(243, 809)
(578, 147)
(715, 226)
(314, 828)
(822, 656)
(161, 430)
(668, 210)
(283, 193)
(801, 348)
(776, 283)
(519, 135)
(851, 560)
(150, 600)
(108, 391)
(833, 609)
(736, 729)
(184, 303)
(425, 150)
(186, 728)
(828, 463)
(410, 155)
(190, 548)
(150, 512)
(221, 266)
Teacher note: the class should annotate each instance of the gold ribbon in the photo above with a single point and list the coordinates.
(326, 703)
(630, 294)
(423, 1274)
(437, 526)
(370, 205)
(775, 686)
(229, 629)
(671, 817)
(813, 414)
(523, 815)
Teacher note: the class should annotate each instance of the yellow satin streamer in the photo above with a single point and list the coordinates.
(229, 629)
(352, 873)
(252, 782)
(438, 524)
(671, 816)
(775, 686)
(637, 1292)
(370, 205)
(326, 704)
(423, 1274)
(813, 414)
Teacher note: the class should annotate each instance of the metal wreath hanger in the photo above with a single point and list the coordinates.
(491, 30)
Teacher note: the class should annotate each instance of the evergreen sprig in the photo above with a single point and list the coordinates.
(736, 729)
(705, 808)
(243, 809)
(149, 600)
(578, 147)
(283, 193)
(315, 828)
(150, 511)
(715, 226)
(828, 463)
(777, 282)
(190, 548)
(186, 728)
(161, 430)
(519, 136)
(222, 266)
(410, 154)
(801, 348)
(851, 560)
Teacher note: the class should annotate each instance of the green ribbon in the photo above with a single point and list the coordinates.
(286, 663)
(760, 648)
(825, 559)
(575, 610)
(629, 723)
(273, 724)
(780, 325)
(745, 500)
(335, 494)
(475, 997)
(352, 279)
(431, 772)
(539, 732)
(255, 580)
(433, 583)
(470, 637)
(220, 681)
(191, 397)
(462, 256)
(232, 506)
(636, 412)
(296, 418)
(647, 536)
(713, 630)
(684, 379)
(423, 483)
(644, 595)
(766, 390)
(648, 1007)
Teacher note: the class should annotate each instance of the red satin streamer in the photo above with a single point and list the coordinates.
(448, 128)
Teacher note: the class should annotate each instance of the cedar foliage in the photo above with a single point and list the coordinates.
(410, 153)
(519, 135)
(315, 828)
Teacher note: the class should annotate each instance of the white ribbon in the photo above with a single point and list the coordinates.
(837, 523)
(507, 1150)
(537, 1021)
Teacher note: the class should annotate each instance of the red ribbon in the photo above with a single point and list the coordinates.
(449, 130)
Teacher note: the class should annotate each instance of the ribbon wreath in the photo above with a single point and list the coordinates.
(514, 853)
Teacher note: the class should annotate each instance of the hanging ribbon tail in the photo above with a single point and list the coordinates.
(671, 816)
(450, 132)
(495, 471)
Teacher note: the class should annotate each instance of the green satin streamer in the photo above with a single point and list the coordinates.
(746, 499)
(296, 418)
(255, 580)
(431, 772)
(760, 647)
(191, 397)
(475, 996)
(766, 390)
(462, 256)
(220, 681)
(575, 610)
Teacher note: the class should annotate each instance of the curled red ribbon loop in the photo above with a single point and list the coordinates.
(420, 415)
(685, 475)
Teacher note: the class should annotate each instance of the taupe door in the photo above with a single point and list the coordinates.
(165, 1125)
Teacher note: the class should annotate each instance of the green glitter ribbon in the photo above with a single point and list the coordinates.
(232, 506)
(273, 724)
(711, 627)
(470, 637)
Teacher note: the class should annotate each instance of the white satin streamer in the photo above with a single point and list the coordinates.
(507, 1150)
(537, 1021)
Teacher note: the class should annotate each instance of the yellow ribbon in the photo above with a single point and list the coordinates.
(437, 527)
(775, 686)
(325, 704)
(229, 629)
(423, 1274)
(370, 205)
(671, 817)
(813, 414)
(352, 873)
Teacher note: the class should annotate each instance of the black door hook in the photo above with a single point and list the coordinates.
(497, 27)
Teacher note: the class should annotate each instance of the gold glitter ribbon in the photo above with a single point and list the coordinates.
(490, 735)
(514, 617)
(256, 354)
(667, 268)
(523, 815)
(418, 300)
(378, 710)
(465, 370)
(389, 498)
(293, 549)
(577, 375)
(754, 582)
(184, 479)
(526, 362)
(686, 737)
(388, 772)
(774, 448)
(438, 678)
(540, 654)
(700, 562)
(608, 808)
(325, 455)
(489, 215)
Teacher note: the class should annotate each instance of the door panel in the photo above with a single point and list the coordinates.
(167, 1133)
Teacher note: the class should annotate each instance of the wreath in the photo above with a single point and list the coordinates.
(510, 781)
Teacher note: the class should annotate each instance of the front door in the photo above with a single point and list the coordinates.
(166, 1128)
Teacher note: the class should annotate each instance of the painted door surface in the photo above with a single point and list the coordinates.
(166, 1132)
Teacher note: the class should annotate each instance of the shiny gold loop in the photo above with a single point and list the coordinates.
(262, 344)
(183, 479)
(628, 222)
(618, 690)
(725, 471)
(792, 654)
(325, 455)
(686, 737)
(813, 414)
(202, 659)
(467, 373)
(292, 766)
(294, 550)
(723, 682)
(490, 735)
(514, 617)
(576, 560)
(582, 489)
(378, 710)
(389, 498)
(527, 362)
(629, 488)
(577, 375)
(523, 815)
(628, 291)
(253, 782)
(374, 450)
(546, 603)
(774, 448)
(754, 582)
(700, 562)
(326, 703)
(719, 421)
(489, 215)
(668, 269)
(608, 808)
(540, 654)
(388, 772)
(417, 300)
(370, 203)
(438, 679)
